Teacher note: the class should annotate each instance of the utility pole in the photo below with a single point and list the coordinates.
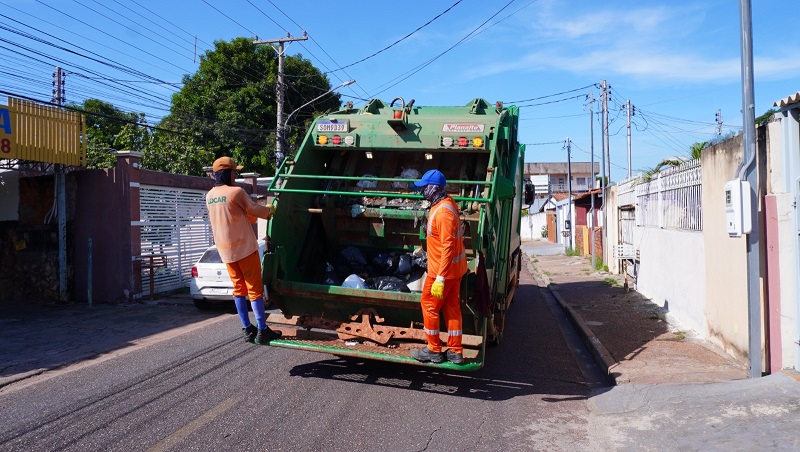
(719, 121)
(604, 141)
(748, 171)
(280, 141)
(569, 196)
(591, 187)
(605, 129)
(61, 196)
(628, 110)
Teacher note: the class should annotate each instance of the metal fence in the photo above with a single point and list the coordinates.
(672, 199)
(174, 228)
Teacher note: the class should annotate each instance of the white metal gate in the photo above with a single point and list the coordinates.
(174, 227)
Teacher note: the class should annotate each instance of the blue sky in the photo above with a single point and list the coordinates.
(676, 61)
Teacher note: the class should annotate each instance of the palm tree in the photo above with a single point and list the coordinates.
(697, 148)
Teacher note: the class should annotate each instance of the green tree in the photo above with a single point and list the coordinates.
(697, 149)
(229, 106)
(766, 116)
(104, 122)
(176, 153)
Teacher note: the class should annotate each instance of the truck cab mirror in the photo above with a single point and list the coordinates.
(529, 192)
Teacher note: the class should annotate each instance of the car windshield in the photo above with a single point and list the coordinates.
(211, 256)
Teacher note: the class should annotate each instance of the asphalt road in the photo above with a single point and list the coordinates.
(208, 390)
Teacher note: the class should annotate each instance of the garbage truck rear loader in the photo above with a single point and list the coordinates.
(346, 260)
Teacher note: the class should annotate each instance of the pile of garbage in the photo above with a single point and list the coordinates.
(380, 270)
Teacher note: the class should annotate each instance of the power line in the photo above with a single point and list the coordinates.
(418, 68)
(401, 39)
(545, 144)
(553, 101)
(551, 95)
(230, 18)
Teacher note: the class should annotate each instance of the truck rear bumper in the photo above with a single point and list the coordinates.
(393, 350)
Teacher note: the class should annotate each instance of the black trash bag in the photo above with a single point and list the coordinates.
(387, 283)
(341, 265)
(385, 263)
(404, 264)
(354, 255)
(330, 276)
(355, 260)
(420, 259)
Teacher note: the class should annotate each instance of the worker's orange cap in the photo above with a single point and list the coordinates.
(225, 163)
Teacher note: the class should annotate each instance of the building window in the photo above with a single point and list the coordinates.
(581, 182)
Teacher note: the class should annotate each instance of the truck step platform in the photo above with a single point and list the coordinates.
(395, 351)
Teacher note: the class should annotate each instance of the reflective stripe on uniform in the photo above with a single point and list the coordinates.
(459, 233)
(459, 257)
(431, 332)
(454, 332)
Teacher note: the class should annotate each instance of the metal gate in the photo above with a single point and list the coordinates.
(175, 230)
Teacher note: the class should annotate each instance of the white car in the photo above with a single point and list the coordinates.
(210, 279)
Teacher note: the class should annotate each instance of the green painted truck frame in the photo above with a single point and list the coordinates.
(321, 207)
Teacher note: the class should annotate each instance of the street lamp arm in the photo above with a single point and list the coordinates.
(286, 123)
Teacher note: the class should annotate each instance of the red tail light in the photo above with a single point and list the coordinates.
(194, 272)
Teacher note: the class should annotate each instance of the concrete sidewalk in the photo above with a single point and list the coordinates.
(629, 335)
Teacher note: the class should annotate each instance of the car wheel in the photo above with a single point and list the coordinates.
(202, 304)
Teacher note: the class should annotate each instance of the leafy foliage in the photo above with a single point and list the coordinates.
(104, 125)
(229, 106)
(697, 149)
(766, 116)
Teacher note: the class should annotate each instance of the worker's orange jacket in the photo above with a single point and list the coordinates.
(232, 214)
(445, 243)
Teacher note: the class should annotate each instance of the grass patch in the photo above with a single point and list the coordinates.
(535, 260)
(679, 336)
(598, 264)
(613, 282)
(572, 252)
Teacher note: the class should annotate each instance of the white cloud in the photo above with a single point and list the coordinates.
(652, 44)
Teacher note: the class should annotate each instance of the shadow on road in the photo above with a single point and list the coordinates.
(532, 359)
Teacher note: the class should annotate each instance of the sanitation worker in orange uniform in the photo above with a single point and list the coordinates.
(447, 263)
(232, 214)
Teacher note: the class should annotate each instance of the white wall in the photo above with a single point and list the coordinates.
(726, 257)
(9, 195)
(783, 138)
(531, 225)
(672, 274)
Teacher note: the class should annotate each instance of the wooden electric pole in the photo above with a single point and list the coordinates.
(280, 141)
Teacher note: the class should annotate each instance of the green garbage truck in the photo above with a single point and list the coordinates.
(346, 256)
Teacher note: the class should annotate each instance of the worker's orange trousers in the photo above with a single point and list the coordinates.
(246, 276)
(450, 307)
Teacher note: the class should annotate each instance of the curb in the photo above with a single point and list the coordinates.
(601, 355)
(6, 381)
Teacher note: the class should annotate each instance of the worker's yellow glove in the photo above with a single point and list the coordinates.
(437, 289)
(271, 209)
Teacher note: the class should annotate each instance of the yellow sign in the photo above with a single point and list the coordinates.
(6, 134)
(29, 131)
